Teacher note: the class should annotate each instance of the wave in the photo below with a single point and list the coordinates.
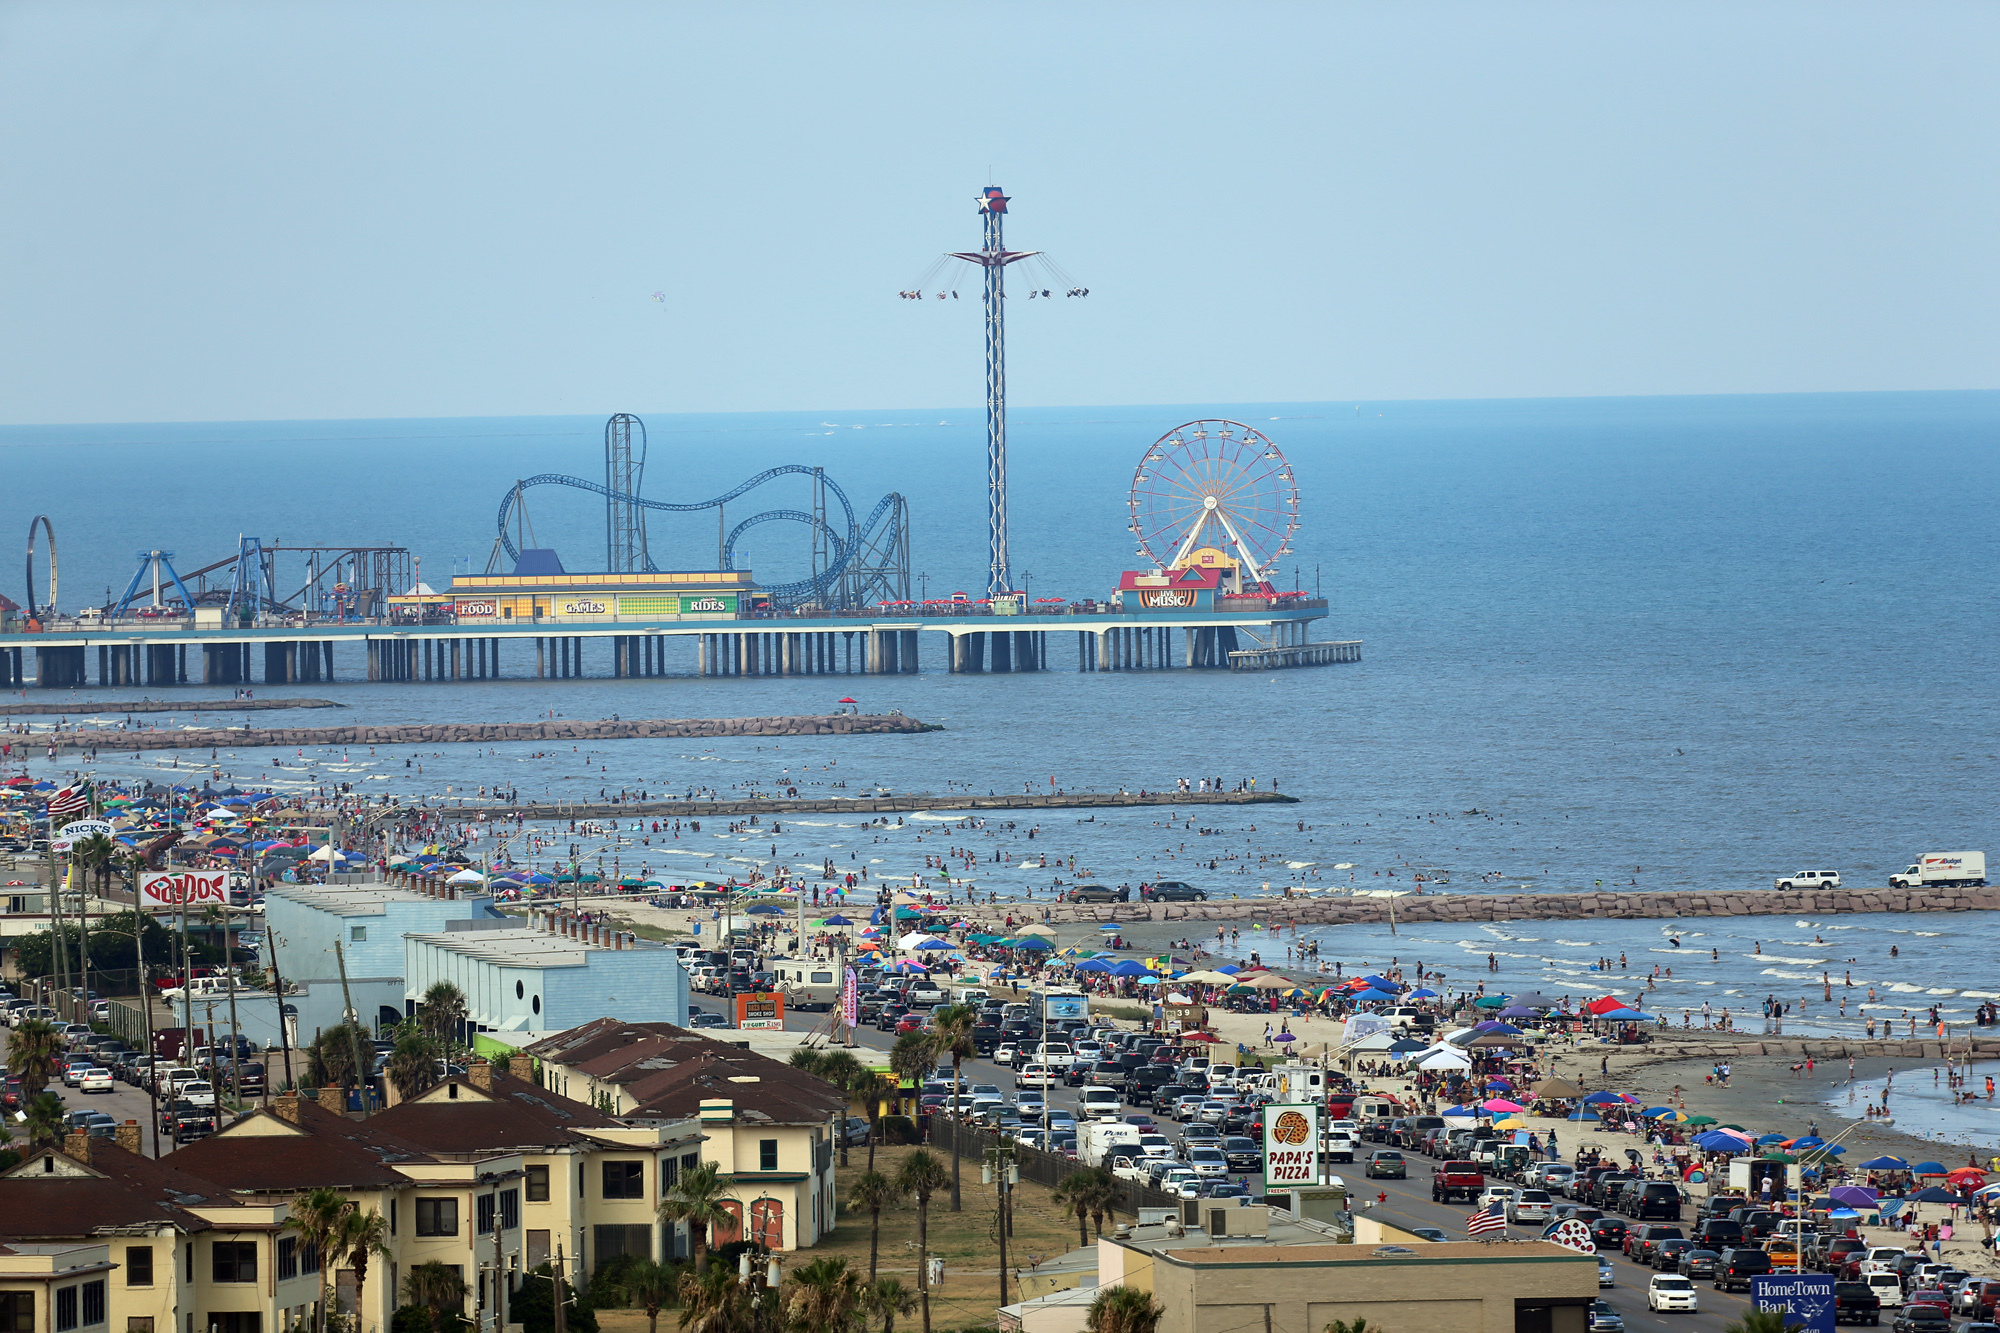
(1789, 976)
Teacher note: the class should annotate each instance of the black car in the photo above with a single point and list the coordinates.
(1665, 1255)
(1609, 1233)
(1718, 1233)
(1698, 1262)
(1922, 1319)
(1738, 1266)
(1653, 1198)
(1099, 893)
(1243, 1154)
(1856, 1303)
(1173, 891)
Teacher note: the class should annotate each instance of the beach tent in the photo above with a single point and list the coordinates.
(1885, 1163)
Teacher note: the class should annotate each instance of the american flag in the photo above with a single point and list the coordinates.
(70, 800)
(1488, 1221)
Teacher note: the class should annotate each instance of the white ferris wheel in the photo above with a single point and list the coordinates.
(1215, 485)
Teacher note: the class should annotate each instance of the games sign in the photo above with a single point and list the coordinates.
(1291, 1145)
(764, 1012)
(171, 890)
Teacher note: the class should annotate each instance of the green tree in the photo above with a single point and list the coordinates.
(412, 1067)
(697, 1199)
(442, 1012)
(111, 947)
(806, 1059)
(437, 1288)
(358, 1238)
(713, 1301)
(873, 1191)
(1759, 1321)
(951, 1035)
(922, 1176)
(911, 1060)
(45, 1118)
(1126, 1310)
(823, 1297)
(35, 1055)
(1086, 1191)
(330, 1058)
(533, 1305)
(843, 1071)
(97, 854)
(650, 1285)
(886, 1298)
(316, 1218)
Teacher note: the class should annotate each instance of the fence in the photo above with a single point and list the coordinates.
(1043, 1168)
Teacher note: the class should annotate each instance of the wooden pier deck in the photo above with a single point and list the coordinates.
(1297, 655)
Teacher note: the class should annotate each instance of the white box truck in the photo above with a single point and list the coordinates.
(1942, 868)
(1097, 1135)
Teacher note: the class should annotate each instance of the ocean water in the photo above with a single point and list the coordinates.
(1652, 643)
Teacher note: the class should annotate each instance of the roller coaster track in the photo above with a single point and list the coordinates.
(843, 545)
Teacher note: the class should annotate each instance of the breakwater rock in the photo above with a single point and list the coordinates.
(93, 708)
(1426, 908)
(857, 805)
(486, 733)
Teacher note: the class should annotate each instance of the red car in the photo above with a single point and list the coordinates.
(911, 1023)
(1930, 1296)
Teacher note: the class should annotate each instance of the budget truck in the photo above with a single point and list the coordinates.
(1942, 869)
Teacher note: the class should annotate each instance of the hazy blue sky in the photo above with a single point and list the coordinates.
(216, 211)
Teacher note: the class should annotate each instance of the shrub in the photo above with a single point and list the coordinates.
(900, 1129)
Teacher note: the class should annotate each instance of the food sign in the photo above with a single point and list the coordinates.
(475, 610)
(1291, 1145)
(1572, 1234)
(764, 1012)
(170, 890)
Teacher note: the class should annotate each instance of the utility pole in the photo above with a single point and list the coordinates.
(556, 1281)
(362, 1070)
(284, 1035)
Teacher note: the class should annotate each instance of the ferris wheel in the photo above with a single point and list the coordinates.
(1219, 485)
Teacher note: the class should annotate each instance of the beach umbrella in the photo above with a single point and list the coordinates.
(1770, 1139)
(928, 945)
(1147, 981)
(1805, 1141)
(1777, 1157)
(1927, 1169)
(1701, 1120)
(1033, 942)
(1404, 1046)
(1584, 1115)
(1627, 1016)
(1655, 1112)
(1036, 930)
(1490, 1002)
(1372, 996)
(1208, 978)
(1130, 967)
(1282, 1036)
(1604, 1004)
(1421, 994)
(1885, 1163)
(1494, 1025)
(1111, 926)
(1093, 965)
(1854, 1196)
(1558, 1087)
(1231, 968)
(1511, 1122)
(1602, 1099)
(1499, 1085)
(836, 920)
(1966, 1175)
(1517, 1011)
(1500, 1104)
(1933, 1194)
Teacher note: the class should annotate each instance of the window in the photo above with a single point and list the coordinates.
(234, 1260)
(767, 1154)
(355, 935)
(189, 1276)
(613, 1241)
(510, 1209)
(65, 1308)
(93, 1302)
(392, 1217)
(17, 1312)
(483, 1213)
(437, 1217)
(624, 1180)
(249, 1321)
(670, 1173)
(538, 1185)
(689, 1161)
(288, 1257)
(138, 1265)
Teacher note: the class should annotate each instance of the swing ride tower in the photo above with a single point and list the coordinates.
(993, 257)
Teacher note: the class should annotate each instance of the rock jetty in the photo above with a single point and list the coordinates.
(487, 733)
(1430, 908)
(92, 708)
(857, 805)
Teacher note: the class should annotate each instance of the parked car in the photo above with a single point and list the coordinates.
(1172, 891)
(1098, 893)
(97, 1080)
(1808, 879)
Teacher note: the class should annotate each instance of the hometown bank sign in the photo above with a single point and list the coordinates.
(1807, 1298)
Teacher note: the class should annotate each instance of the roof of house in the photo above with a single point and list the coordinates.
(114, 1190)
(457, 1115)
(264, 1153)
(669, 1071)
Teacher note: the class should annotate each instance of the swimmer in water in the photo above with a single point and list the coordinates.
(1674, 940)
(1715, 955)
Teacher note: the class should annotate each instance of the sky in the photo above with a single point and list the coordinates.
(256, 212)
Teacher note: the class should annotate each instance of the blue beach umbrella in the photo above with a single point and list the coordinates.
(1129, 968)
(1030, 942)
(1928, 1169)
(1421, 994)
(1372, 996)
(1093, 965)
(1229, 968)
(836, 920)
(1602, 1099)
(1885, 1163)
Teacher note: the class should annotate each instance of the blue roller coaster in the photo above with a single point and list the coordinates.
(854, 564)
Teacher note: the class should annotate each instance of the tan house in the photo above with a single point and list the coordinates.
(771, 1128)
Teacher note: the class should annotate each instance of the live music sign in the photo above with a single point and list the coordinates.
(170, 890)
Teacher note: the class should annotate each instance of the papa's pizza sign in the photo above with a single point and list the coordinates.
(1291, 1146)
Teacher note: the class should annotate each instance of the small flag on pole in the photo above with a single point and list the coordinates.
(1488, 1221)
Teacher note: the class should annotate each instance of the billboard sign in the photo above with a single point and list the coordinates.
(1291, 1145)
(765, 1013)
(1806, 1298)
(1057, 1007)
(170, 890)
(79, 829)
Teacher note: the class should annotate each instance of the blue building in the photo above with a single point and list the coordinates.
(550, 974)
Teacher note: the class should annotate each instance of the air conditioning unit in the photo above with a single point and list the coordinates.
(1191, 1212)
(1156, 1217)
(1223, 1221)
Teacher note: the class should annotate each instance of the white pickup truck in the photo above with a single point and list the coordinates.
(1808, 879)
(1942, 868)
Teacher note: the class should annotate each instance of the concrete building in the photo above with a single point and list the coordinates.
(367, 920)
(555, 972)
(1267, 1270)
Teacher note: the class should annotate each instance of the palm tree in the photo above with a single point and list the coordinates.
(697, 1200)
(442, 1012)
(868, 1086)
(358, 1238)
(713, 1301)
(96, 853)
(436, 1287)
(823, 1297)
(1124, 1310)
(1763, 1321)
(317, 1217)
(911, 1059)
(1081, 1191)
(45, 1118)
(806, 1059)
(330, 1059)
(951, 1035)
(841, 1069)
(412, 1067)
(1359, 1324)
(35, 1055)
(650, 1285)
(923, 1175)
(888, 1297)
(874, 1191)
